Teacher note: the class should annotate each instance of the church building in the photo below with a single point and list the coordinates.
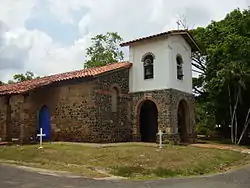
(119, 102)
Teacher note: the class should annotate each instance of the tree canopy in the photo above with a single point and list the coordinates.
(224, 64)
(1, 83)
(24, 77)
(21, 77)
(104, 50)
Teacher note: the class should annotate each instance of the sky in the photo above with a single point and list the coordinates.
(50, 36)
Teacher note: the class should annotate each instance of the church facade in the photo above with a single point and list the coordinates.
(119, 102)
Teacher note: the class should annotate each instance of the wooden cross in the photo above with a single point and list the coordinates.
(41, 135)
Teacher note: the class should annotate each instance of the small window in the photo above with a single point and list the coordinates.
(148, 64)
(114, 99)
(179, 62)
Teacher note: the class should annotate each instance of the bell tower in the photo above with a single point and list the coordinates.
(162, 73)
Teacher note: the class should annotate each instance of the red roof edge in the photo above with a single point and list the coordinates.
(22, 87)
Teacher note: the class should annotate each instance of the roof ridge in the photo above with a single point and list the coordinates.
(79, 70)
(188, 38)
(27, 85)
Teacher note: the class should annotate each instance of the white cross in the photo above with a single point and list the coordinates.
(41, 137)
(178, 24)
(160, 133)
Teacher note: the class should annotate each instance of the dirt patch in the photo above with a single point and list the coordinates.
(223, 147)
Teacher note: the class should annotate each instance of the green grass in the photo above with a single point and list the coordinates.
(134, 161)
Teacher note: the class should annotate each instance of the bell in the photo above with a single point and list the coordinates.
(148, 72)
(147, 62)
(180, 72)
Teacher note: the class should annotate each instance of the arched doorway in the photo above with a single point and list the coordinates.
(148, 121)
(44, 122)
(183, 121)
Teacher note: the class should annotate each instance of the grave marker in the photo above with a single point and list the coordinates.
(41, 135)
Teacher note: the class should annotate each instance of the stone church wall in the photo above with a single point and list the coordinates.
(80, 111)
(167, 104)
(3, 112)
(71, 107)
(10, 117)
(16, 118)
(113, 126)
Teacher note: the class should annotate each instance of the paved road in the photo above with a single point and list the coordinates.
(12, 177)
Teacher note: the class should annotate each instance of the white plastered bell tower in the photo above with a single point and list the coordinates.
(161, 61)
(161, 75)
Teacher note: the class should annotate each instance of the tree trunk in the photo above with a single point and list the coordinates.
(235, 129)
(230, 111)
(245, 126)
(232, 119)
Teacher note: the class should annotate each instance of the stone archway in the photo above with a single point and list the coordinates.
(183, 118)
(148, 121)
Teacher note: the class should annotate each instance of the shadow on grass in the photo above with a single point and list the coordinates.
(137, 171)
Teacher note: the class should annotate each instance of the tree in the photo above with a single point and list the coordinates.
(224, 65)
(1, 83)
(104, 50)
(234, 76)
(22, 77)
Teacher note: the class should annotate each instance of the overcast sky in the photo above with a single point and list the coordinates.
(50, 36)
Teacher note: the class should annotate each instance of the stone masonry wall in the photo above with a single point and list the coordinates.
(3, 113)
(11, 117)
(113, 126)
(16, 117)
(71, 107)
(72, 110)
(167, 102)
(80, 111)
(177, 96)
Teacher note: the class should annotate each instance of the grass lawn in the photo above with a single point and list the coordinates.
(134, 161)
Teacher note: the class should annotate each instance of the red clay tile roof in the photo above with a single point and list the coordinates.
(184, 33)
(25, 86)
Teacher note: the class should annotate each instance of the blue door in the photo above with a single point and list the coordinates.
(44, 122)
